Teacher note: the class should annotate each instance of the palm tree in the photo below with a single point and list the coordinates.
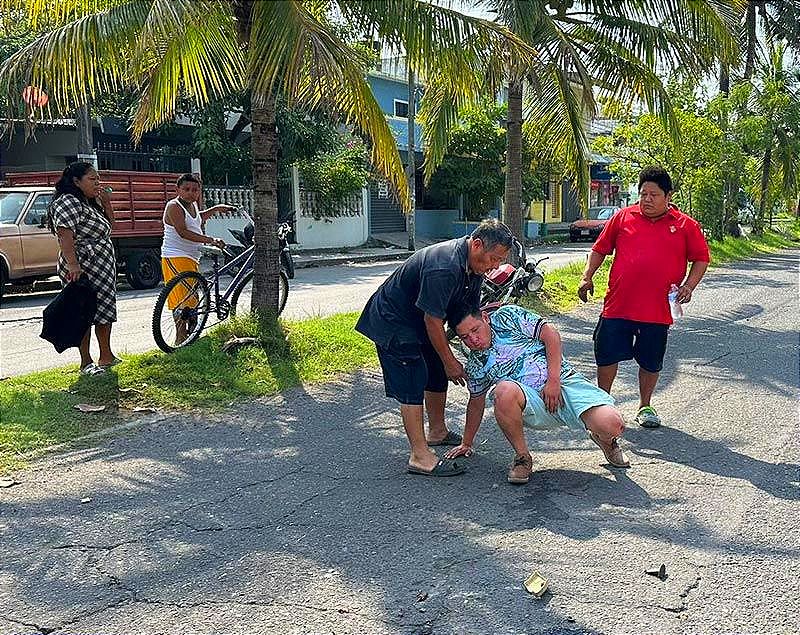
(775, 99)
(585, 49)
(205, 49)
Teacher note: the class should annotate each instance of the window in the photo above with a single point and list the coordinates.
(38, 210)
(11, 205)
(401, 108)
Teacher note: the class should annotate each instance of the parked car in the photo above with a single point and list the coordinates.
(589, 229)
(29, 252)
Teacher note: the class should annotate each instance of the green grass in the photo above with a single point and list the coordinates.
(560, 291)
(731, 249)
(37, 410)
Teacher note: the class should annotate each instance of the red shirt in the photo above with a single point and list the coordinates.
(649, 256)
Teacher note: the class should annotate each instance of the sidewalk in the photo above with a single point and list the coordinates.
(294, 514)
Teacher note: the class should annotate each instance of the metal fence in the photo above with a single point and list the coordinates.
(110, 157)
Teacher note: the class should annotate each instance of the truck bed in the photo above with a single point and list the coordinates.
(138, 197)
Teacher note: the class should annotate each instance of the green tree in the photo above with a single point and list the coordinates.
(206, 49)
(773, 100)
(612, 48)
(698, 164)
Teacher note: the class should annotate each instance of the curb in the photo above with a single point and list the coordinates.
(344, 259)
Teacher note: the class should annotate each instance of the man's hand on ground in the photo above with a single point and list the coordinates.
(455, 372)
(585, 289)
(459, 450)
(551, 395)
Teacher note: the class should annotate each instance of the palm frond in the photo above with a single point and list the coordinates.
(197, 56)
(79, 60)
(294, 49)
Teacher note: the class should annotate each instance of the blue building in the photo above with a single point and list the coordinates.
(389, 84)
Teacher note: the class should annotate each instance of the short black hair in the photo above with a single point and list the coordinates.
(492, 232)
(462, 313)
(658, 175)
(190, 178)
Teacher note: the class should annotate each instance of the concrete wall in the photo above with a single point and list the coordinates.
(347, 230)
(50, 149)
(435, 223)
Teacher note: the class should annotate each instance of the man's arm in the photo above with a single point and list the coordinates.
(475, 408)
(208, 213)
(696, 273)
(176, 218)
(586, 286)
(551, 393)
(452, 367)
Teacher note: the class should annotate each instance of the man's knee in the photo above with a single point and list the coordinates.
(605, 420)
(508, 394)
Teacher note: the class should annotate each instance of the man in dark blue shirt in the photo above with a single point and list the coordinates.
(405, 318)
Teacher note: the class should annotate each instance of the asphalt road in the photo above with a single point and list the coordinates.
(294, 514)
(315, 291)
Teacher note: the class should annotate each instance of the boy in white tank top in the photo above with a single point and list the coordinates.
(183, 234)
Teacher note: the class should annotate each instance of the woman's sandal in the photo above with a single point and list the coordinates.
(91, 370)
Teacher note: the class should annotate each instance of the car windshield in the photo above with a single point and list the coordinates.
(601, 213)
(11, 205)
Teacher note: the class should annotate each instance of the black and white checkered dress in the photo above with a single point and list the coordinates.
(93, 249)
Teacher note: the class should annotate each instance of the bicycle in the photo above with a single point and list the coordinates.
(185, 303)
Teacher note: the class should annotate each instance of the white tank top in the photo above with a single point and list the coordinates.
(176, 247)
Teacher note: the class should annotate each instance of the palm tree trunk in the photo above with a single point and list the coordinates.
(513, 191)
(724, 79)
(264, 148)
(751, 41)
(264, 141)
(83, 123)
(765, 170)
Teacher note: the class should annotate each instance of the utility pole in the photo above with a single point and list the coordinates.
(411, 169)
(83, 123)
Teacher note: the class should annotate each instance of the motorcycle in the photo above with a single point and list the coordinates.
(245, 238)
(508, 283)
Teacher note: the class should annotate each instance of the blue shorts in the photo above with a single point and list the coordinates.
(410, 369)
(579, 395)
(617, 339)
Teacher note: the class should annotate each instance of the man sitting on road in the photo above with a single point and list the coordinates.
(515, 359)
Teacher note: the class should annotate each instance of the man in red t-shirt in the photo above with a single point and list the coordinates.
(652, 242)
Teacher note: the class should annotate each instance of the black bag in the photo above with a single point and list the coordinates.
(67, 318)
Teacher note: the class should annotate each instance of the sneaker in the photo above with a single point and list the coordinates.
(613, 453)
(521, 469)
(647, 417)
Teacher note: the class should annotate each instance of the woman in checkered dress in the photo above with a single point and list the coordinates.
(82, 217)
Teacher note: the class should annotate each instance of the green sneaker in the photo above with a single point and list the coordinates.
(648, 418)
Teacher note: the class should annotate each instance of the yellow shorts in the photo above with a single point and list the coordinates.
(182, 295)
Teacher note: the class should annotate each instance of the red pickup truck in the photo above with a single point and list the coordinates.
(29, 252)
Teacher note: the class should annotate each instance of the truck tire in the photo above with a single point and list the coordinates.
(143, 270)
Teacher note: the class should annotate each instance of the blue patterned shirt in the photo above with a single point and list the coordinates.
(517, 352)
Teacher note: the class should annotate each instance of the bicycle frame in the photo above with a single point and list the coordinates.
(245, 263)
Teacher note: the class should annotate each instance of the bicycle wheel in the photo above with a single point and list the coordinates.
(242, 298)
(181, 311)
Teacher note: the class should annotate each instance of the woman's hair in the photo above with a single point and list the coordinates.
(66, 185)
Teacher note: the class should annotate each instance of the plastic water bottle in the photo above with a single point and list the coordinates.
(675, 307)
